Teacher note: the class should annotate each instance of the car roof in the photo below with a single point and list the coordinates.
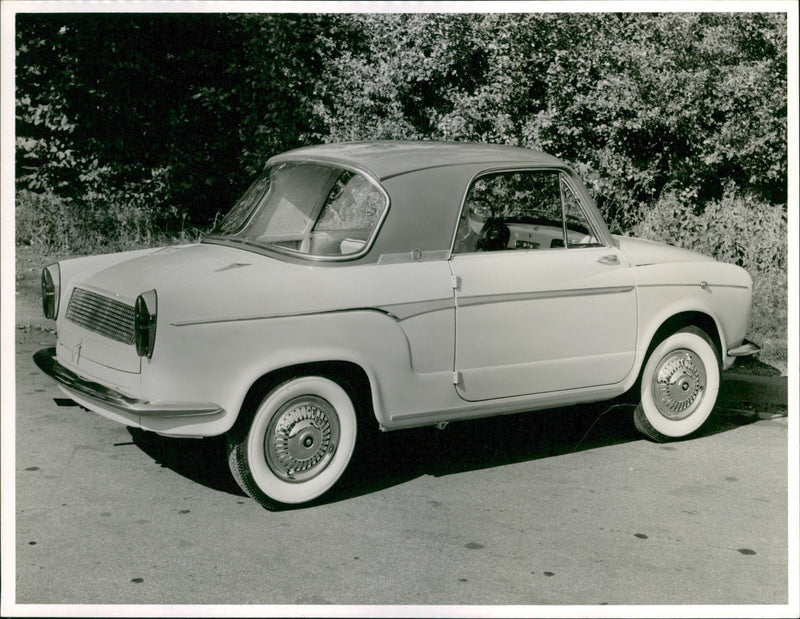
(385, 159)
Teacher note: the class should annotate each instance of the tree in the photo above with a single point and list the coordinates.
(639, 103)
(105, 103)
(177, 112)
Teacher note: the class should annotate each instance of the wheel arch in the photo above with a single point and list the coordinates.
(666, 327)
(347, 374)
(701, 320)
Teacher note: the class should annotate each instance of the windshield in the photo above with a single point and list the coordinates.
(306, 208)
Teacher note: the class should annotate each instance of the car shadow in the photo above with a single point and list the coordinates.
(397, 457)
(383, 460)
(203, 461)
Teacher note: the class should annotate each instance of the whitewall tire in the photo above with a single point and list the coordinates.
(679, 386)
(298, 445)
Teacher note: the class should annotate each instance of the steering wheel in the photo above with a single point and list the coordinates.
(494, 236)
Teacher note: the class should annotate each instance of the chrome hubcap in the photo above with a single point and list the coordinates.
(678, 384)
(301, 438)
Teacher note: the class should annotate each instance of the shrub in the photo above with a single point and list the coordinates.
(44, 221)
(770, 317)
(737, 229)
(101, 220)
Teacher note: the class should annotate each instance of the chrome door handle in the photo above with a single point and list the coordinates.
(610, 259)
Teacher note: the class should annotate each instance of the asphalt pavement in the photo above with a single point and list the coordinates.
(561, 507)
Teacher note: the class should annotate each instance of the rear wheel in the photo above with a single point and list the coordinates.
(679, 386)
(298, 444)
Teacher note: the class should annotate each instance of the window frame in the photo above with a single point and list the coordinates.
(566, 176)
(271, 249)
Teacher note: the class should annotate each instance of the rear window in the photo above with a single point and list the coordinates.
(307, 208)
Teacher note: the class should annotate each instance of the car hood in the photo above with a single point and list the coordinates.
(642, 252)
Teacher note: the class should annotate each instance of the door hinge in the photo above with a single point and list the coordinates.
(456, 377)
(454, 281)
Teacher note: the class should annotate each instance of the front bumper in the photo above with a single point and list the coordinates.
(745, 349)
(96, 396)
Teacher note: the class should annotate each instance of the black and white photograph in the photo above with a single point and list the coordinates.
(419, 309)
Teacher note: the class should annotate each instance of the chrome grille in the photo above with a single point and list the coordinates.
(102, 315)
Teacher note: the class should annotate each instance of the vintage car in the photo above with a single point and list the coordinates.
(391, 285)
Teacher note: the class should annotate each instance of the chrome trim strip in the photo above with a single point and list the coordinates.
(414, 256)
(46, 360)
(544, 294)
(692, 285)
(403, 311)
(214, 321)
(398, 311)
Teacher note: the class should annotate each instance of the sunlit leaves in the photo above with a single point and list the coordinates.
(641, 104)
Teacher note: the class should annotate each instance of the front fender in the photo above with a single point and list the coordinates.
(727, 306)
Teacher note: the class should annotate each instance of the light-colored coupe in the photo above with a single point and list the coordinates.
(393, 284)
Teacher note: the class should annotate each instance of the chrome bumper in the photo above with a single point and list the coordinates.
(745, 349)
(110, 398)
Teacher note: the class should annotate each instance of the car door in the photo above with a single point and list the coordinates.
(542, 303)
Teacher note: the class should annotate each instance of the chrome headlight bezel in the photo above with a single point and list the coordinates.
(144, 323)
(51, 290)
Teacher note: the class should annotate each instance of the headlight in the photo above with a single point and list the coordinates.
(145, 318)
(51, 290)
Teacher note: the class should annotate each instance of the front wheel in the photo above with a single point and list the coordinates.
(298, 445)
(679, 386)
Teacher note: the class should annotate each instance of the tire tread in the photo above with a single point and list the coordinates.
(237, 463)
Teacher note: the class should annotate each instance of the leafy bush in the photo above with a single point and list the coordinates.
(102, 220)
(737, 229)
(770, 316)
(638, 103)
(44, 221)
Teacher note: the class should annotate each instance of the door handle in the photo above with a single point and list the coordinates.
(609, 259)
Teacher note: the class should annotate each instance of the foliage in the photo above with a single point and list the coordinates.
(638, 103)
(111, 221)
(109, 101)
(40, 219)
(641, 104)
(736, 229)
(770, 316)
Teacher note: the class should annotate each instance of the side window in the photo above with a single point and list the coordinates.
(349, 215)
(533, 209)
(352, 204)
